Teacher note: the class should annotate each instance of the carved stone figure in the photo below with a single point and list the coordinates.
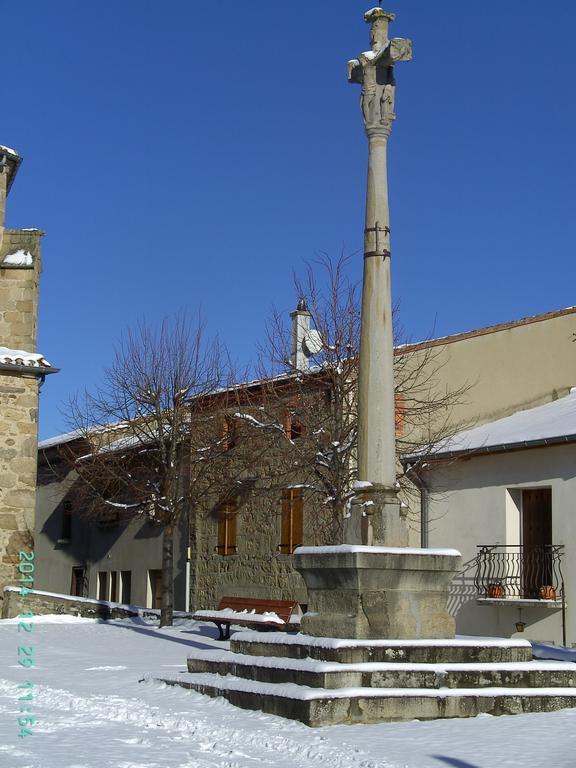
(374, 70)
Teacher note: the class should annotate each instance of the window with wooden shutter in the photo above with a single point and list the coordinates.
(293, 426)
(228, 432)
(227, 516)
(292, 520)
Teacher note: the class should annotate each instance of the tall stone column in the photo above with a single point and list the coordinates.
(374, 70)
(387, 591)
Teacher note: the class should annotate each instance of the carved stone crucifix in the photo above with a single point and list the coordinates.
(374, 70)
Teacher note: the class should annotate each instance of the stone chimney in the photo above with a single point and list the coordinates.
(9, 163)
(305, 341)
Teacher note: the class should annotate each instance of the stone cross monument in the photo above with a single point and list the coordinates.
(374, 70)
(358, 590)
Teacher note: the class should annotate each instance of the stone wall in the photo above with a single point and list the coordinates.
(19, 291)
(18, 401)
(44, 603)
(257, 569)
(18, 441)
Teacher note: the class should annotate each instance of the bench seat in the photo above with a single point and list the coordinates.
(248, 612)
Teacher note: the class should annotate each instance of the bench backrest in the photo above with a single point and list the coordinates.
(282, 608)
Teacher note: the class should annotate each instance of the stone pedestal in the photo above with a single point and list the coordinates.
(377, 592)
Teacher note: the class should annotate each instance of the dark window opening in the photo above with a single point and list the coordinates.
(536, 540)
(78, 585)
(114, 586)
(126, 586)
(155, 577)
(102, 585)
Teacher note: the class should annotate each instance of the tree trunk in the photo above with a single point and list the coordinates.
(167, 603)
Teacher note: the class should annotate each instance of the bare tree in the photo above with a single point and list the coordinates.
(320, 399)
(157, 447)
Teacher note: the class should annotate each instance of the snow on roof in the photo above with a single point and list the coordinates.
(21, 357)
(553, 422)
(19, 258)
(66, 437)
(9, 150)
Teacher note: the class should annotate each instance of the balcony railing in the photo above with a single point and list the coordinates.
(519, 572)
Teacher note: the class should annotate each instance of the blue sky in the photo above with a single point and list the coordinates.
(189, 154)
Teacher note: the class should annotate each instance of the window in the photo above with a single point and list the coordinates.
(126, 586)
(536, 526)
(102, 585)
(78, 585)
(399, 412)
(154, 589)
(228, 432)
(293, 426)
(292, 520)
(114, 586)
(227, 514)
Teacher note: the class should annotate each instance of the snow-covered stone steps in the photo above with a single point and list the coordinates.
(321, 681)
(331, 675)
(459, 650)
(320, 706)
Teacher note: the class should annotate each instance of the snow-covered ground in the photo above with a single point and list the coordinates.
(93, 711)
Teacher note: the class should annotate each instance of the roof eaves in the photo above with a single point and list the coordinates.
(487, 449)
(29, 370)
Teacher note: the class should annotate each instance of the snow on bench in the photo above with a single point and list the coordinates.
(248, 612)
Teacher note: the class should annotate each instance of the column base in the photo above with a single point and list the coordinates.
(376, 518)
(377, 592)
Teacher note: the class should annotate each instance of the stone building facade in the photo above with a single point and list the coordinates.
(21, 373)
(507, 367)
(121, 561)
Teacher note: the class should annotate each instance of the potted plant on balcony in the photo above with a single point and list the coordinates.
(496, 589)
(547, 592)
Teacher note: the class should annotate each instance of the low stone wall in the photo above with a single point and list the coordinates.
(43, 603)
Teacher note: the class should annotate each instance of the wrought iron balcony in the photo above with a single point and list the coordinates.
(517, 572)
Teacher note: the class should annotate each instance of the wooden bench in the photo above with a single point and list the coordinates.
(248, 612)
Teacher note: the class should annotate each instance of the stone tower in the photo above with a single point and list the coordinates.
(21, 372)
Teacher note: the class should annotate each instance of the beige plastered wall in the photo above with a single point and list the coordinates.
(504, 368)
(473, 505)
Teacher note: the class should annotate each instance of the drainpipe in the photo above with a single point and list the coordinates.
(187, 594)
(416, 478)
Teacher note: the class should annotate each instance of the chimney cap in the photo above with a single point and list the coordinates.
(302, 305)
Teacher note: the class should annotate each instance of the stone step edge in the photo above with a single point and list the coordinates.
(282, 638)
(303, 693)
(312, 665)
